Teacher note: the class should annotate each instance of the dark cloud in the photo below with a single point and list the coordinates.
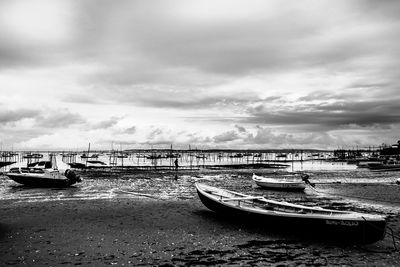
(12, 116)
(106, 123)
(61, 118)
(13, 136)
(130, 130)
(240, 129)
(333, 115)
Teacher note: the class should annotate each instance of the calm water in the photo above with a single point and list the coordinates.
(338, 185)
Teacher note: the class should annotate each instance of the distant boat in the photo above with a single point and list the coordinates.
(346, 226)
(281, 155)
(33, 156)
(172, 155)
(88, 164)
(278, 184)
(40, 164)
(87, 156)
(154, 156)
(389, 165)
(6, 163)
(43, 176)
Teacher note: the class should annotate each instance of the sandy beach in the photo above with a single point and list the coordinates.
(143, 231)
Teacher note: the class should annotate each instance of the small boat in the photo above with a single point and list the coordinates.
(39, 177)
(88, 164)
(44, 174)
(276, 184)
(87, 156)
(388, 165)
(6, 163)
(33, 156)
(345, 226)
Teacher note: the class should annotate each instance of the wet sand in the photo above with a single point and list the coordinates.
(175, 228)
(142, 231)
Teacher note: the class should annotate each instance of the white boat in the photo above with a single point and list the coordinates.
(346, 226)
(43, 174)
(279, 184)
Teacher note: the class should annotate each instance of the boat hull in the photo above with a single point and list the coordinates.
(297, 187)
(40, 182)
(362, 232)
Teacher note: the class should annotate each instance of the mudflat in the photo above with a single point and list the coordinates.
(144, 231)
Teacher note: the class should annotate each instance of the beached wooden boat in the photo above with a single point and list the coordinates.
(347, 226)
(40, 177)
(276, 184)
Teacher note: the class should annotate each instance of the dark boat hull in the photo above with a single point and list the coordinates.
(6, 163)
(363, 232)
(41, 182)
(282, 188)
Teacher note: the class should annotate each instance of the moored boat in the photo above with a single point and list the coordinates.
(347, 226)
(385, 166)
(40, 177)
(43, 174)
(277, 184)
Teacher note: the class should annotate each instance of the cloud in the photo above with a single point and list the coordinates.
(106, 123)
(226, 137)
(155, 133)
(240, 129)
(15, 136)
(312, 70)
(334, 115)
(61, 118)
(130, 130)
(81, 99)
(12, 116)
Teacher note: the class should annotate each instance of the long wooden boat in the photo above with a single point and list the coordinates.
(43, 177)
(275, 184)
(347, 226)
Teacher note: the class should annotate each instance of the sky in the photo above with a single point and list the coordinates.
(243, 74)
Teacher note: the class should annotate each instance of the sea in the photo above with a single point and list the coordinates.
(338, 185)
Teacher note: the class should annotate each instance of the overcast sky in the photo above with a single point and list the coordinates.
(214, 74)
